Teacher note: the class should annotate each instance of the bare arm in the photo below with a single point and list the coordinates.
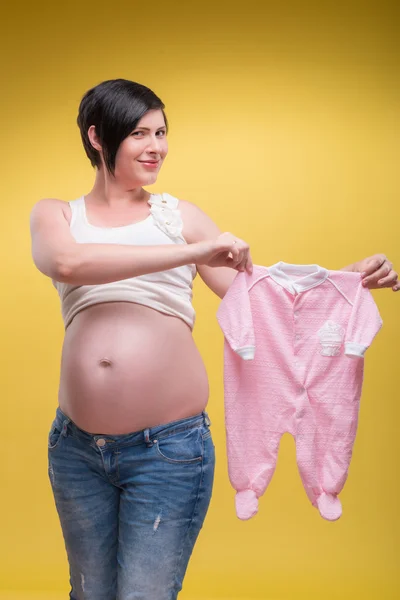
(199, 226)
(56, 253)
(377, 270)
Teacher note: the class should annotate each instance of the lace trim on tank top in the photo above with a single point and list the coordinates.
(166, 214)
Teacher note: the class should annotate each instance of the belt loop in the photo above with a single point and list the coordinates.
(206, 418)
(65, 427)
(146, 434)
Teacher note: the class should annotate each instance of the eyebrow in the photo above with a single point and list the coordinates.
(148, 129)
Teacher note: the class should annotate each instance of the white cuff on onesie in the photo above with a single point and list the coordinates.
(246, 504)
(329, 506)
(354, 350)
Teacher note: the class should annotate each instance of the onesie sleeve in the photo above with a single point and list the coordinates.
(235, 318)
(364, 323)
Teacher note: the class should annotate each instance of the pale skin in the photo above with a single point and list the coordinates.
(124, 366)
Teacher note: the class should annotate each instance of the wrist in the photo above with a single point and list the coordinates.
(353, 268)
(198, 251)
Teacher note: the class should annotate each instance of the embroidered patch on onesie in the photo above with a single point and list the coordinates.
(331, 336)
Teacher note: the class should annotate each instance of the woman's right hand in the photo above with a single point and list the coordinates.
(226, 251)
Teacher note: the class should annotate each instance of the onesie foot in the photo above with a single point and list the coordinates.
(329, 506)
(246, 504)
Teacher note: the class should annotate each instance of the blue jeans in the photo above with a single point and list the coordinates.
(131, 506)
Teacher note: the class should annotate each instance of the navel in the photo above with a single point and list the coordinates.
(105, 362)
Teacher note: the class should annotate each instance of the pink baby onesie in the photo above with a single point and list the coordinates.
(295, 338)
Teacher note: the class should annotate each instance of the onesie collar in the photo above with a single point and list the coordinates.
(287, 276)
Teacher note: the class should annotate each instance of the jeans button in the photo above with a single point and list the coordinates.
(101, 442)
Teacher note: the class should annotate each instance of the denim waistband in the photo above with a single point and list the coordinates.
(64, 422)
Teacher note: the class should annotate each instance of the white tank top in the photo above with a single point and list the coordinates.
(169, 292)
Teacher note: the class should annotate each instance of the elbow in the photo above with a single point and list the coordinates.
(64, 268)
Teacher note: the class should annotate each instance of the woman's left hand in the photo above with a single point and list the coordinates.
(377, 272)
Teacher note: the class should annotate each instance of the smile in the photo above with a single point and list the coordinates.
(149, 163)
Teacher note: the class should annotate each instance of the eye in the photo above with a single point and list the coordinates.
(137, 133)
(161, 133)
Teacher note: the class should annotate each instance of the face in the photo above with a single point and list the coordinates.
(141, 154)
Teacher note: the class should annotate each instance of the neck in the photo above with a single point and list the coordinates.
(108, 191)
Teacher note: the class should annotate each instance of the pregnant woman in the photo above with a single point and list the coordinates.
(131, 456)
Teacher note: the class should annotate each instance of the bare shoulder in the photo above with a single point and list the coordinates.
(189, 209)
(50, 206)
(197, 225)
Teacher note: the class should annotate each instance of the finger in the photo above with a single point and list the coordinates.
(242, 265)
(378, 273)
(374, 285)
(229, 262)
(232, 259)
(239, 263)
(389, 280)
(373, 264)
(244, 249)
(249, 264)
(239, 257)
(235, 253)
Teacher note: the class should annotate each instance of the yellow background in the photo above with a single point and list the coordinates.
(284, 128)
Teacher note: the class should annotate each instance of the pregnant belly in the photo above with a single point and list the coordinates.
(126, 367)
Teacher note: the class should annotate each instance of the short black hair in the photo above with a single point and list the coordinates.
(114, 107)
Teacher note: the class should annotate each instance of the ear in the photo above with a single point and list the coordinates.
(94, 140)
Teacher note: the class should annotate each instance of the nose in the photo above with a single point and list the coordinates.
(154, 145)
